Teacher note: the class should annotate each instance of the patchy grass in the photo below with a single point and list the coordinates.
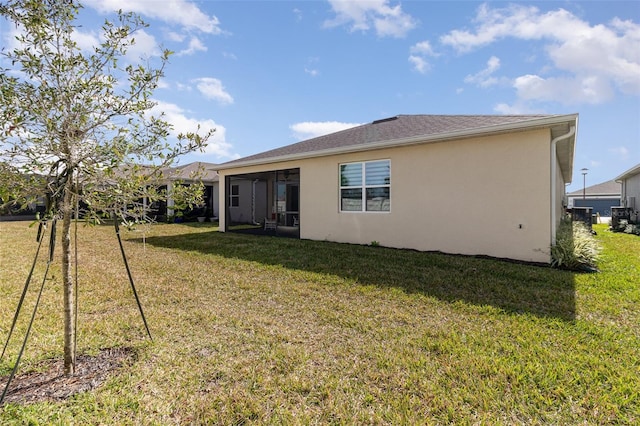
(252, 330)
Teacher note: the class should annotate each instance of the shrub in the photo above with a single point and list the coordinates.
(632, 229)
(575, 247)
(626, 227)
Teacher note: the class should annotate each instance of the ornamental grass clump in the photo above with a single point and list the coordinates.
(575, 247)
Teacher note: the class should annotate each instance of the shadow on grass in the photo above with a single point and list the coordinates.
(513, 287)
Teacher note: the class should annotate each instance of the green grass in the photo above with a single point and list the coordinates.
(255, 330)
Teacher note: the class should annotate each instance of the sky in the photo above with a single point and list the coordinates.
(266, 74)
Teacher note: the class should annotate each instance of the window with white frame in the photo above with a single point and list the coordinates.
(234, 199)
(365, 186)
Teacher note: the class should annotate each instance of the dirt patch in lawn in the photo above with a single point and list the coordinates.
(48, 382)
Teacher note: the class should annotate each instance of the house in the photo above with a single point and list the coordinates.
(630, 191)
(600, 197)
(186, 175)
(630, 187)
(467, 184)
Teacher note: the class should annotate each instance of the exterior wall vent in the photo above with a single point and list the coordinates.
(383, 120)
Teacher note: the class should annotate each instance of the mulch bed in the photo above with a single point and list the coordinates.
(49, 383)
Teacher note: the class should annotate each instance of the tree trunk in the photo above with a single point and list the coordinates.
(67, 285)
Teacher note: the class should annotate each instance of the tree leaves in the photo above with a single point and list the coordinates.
(78, 114)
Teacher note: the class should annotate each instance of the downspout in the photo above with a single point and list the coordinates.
(623, 192)
(253, 202)
(554, 175)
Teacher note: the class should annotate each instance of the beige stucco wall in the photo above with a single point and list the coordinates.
(488, 196)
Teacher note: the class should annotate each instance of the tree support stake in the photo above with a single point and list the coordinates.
(133, 287)
(52, 245)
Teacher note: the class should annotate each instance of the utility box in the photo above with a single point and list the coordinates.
(582, 214)
(618, 214)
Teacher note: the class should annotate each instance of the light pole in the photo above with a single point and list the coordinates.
(584, 182)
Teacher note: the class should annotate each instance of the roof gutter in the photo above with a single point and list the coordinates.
(413, 140)
(554, 176)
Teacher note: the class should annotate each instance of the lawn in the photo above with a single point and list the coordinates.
(255, 330)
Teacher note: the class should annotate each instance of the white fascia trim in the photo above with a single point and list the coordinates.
(631, 172)
(414, 140)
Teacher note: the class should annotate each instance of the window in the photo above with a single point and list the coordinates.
(234, 199)
(365, 186)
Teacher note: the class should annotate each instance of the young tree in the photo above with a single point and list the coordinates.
(77, 126)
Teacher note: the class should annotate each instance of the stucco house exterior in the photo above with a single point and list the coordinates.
(630, 192)
(630, 187)
(468, 184)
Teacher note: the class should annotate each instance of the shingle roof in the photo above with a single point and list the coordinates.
(198, 170)
(391, 129)
(205, 171)
(610, 187)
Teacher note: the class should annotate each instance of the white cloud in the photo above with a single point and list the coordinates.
(310, 67)
(298, 14)
(591, 60)
(85, 40)
(212, 88)
(419, 63)
(8, 36)
(423, 48)
(388, 21)
(180, 12)
(145, 46)
(418, 54)
(183, 87)
(484, 77)
(312, 129)
(174, 36)
(517, 21)
(568, 91)
(312, 72)
(620, 151)
(177, 117)
(519, 107)
(195, 45)
(163, 84)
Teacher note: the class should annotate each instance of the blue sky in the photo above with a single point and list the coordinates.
(270, 73)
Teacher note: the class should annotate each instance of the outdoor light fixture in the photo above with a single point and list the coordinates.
(584, 182)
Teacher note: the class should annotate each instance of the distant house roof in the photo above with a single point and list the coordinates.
(631, 172)
(610, 187)
(197, 170)
(205, 171)
(414, 129)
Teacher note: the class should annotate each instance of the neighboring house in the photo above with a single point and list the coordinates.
(600, 197)
(474, 184)
(630, 194)
(186, 175)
